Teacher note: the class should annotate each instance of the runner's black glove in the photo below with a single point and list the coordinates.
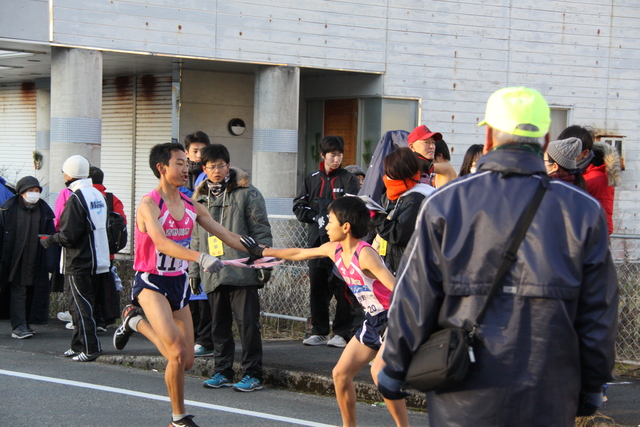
(209, 263)
(254, 249)
(194, 283)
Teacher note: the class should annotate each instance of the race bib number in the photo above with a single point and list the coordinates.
(382, 249)
(168, 264)
(216, 248)
(369, 302)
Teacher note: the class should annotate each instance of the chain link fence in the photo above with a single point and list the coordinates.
(626, 255)
(287, 294)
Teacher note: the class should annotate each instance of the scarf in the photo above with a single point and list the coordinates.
(216, 189)
(584, 163)
(564, 175)
(395, 187)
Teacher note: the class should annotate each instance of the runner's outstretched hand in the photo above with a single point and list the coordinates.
(209, 263)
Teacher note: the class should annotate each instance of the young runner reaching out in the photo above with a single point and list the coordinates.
(366, 275)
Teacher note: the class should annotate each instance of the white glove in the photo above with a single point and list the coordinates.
(209, 263)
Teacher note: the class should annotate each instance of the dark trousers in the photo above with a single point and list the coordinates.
(21, 300)
(201, 316)
(324, 286)
(82, 291)
(243, 305)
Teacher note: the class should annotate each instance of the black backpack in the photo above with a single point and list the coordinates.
(116, 228)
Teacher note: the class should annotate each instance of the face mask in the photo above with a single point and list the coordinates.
(32, 197)
(473, 169)
(194, 167)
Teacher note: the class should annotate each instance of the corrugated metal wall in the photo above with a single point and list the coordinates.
(17, 130)
(136, 115)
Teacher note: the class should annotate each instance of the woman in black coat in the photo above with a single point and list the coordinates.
(24, 264)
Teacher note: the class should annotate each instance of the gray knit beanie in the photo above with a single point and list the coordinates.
(565, 151)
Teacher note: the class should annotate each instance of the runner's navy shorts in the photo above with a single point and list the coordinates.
(372, 330)
(175, 288)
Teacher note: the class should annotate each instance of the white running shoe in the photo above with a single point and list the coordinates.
(316, 340)
(337, 341)
(65, 316)
(70, 325)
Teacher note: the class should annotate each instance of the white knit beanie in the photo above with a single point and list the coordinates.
(76, 167)
(565, 151)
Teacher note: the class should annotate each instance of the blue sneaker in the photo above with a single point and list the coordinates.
(248, 384)
(217, 381)
(200, 351)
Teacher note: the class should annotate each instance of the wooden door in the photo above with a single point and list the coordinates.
(341, 118)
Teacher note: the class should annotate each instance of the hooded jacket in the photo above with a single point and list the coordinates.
(45, 259)
(602, 180)
(315, 196)
(550, 330)
(240, 209)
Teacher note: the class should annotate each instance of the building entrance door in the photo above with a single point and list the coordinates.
(341, 118)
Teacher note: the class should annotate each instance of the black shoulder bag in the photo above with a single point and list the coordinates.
(444, 359)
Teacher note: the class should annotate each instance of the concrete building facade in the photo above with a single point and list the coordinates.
(109, 79)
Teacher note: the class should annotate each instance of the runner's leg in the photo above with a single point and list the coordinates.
(397, 408)
(172, 333)
(354, 357)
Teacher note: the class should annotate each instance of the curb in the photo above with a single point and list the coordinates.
(274, 377)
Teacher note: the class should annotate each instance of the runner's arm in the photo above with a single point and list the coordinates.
(228, 237)
(301, 254)
(370, 262)
(147, 220)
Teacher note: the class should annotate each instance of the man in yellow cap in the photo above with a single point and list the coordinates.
(545, 345)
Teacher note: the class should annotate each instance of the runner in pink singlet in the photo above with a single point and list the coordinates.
(147, 258)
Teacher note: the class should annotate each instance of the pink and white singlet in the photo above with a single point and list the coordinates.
(370, 293)
(147, 258)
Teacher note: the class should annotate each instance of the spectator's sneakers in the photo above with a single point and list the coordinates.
(65, 316)
(31, 331)
(21, 332)
(101, 329)
(70, 325)
(217, 381)
(124, 331)
(70, 353)
(83, 357)
(201, 351)
(187, 421)
(316, 340)
(337, 341)
(248, 383)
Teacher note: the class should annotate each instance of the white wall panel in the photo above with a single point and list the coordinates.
(17, 131)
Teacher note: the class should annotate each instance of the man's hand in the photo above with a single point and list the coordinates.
(44, 240)
(390, 388)
(588, 403)
(209, 263)
(194, 283)
(254, 249)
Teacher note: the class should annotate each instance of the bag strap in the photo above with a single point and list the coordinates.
(109, 202)
(510, 255)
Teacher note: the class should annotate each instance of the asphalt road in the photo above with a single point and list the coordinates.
(43, 390)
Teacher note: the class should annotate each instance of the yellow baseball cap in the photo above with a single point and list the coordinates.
(513, 106)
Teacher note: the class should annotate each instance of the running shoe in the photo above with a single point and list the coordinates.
(248, 383)
(337, 341)
(83, 357)
(184, 422)
(65, 316)
(124, 331)
(217, 381)
(70, 353)
(200, 351)
(21, 332)
(316, 340)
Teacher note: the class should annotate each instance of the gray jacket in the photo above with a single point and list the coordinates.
(240, 209)
(550, 330)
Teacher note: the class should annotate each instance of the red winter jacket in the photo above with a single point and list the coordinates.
(601, 180)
